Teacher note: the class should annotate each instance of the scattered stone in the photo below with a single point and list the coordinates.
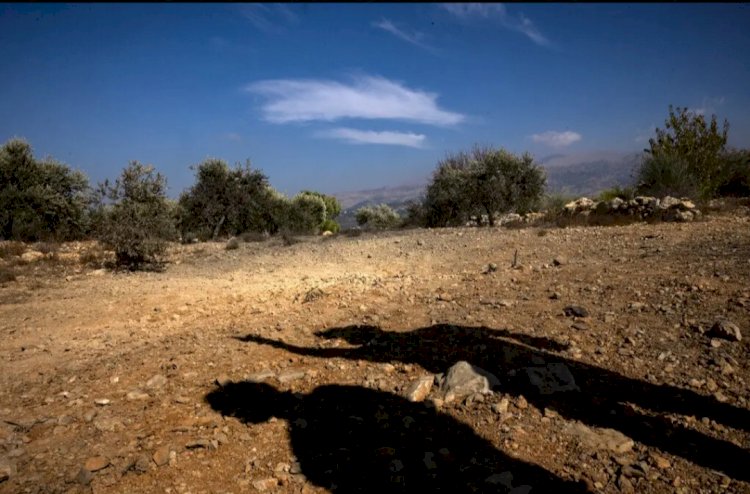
(552, 378)
(261, 376)
(223, 380)
(464, 379)
(491, 268)
(161, 456)
(661, 462)
(601, 439)
(290, 375)
(233, 243)
(96, 463)
(102, 402)
(265, 484)
(137, 395)
(725, 329)
(559, 261)
(157, 381)
(445, 297)
(521, 403)
(579, 326)
(6, 470)
(31, 256)
(84, 476)
(420, 388)
(142, 463)
(501, 407)
(576, 311)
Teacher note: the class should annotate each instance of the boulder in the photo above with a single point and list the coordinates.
(464, 379)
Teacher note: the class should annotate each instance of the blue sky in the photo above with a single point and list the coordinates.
(338, 97)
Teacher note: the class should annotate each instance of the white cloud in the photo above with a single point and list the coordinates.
(268, 17)
(557, 139)
(497, 11)
(708, 106)
(367, 97)
(355, 136)
(415, 37)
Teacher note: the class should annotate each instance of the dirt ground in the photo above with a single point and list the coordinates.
(285, 368)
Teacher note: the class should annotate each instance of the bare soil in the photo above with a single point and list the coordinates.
(285, 368)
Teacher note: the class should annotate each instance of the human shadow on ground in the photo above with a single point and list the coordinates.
(354, 439)
(602, 400)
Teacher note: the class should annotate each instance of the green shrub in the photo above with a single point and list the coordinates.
(485, 181)
(304, 214)
(40, 200)
(227, 201)
(734, 178)
(685, 158)
(380, 217)
(330, 226)
(625, 193)
(136, 220)
(667, 176)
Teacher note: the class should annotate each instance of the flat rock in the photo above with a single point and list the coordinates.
(420, 388)
(137, 395)
(576, 311)
(265, 484)
(96, 463)
(161, 456)
(157, 381)
(601, 439)
(261, 376)
(6, 470)
(464, 379)
(290, 375)
(552, 378)
(726, 330)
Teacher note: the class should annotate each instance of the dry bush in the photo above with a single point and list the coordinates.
(47, 247)
(7, 275)
(11, 249)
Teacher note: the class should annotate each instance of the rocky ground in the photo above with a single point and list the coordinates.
(598, 359)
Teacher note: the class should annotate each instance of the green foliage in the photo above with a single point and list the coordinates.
(228, 201)
(380, 217)
(692, 147)
(333, 206)
(667, 175)
(137, 220)
(330, 226)
(554, 203)
(304, 214)
(484, 181)
(625, 193)
(40, 199)
(734, 179)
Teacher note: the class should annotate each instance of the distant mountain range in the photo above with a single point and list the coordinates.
(579, 174)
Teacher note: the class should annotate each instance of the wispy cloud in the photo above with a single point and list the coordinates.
(354, 136)
(708, 106)
(270, 18)
(497, 12)
(366, 97)
(557, 139)
(414, 37)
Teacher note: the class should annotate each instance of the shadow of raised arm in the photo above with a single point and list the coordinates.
(348, 353)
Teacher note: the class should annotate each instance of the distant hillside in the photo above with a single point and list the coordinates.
(581, 174)
(589, 175)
